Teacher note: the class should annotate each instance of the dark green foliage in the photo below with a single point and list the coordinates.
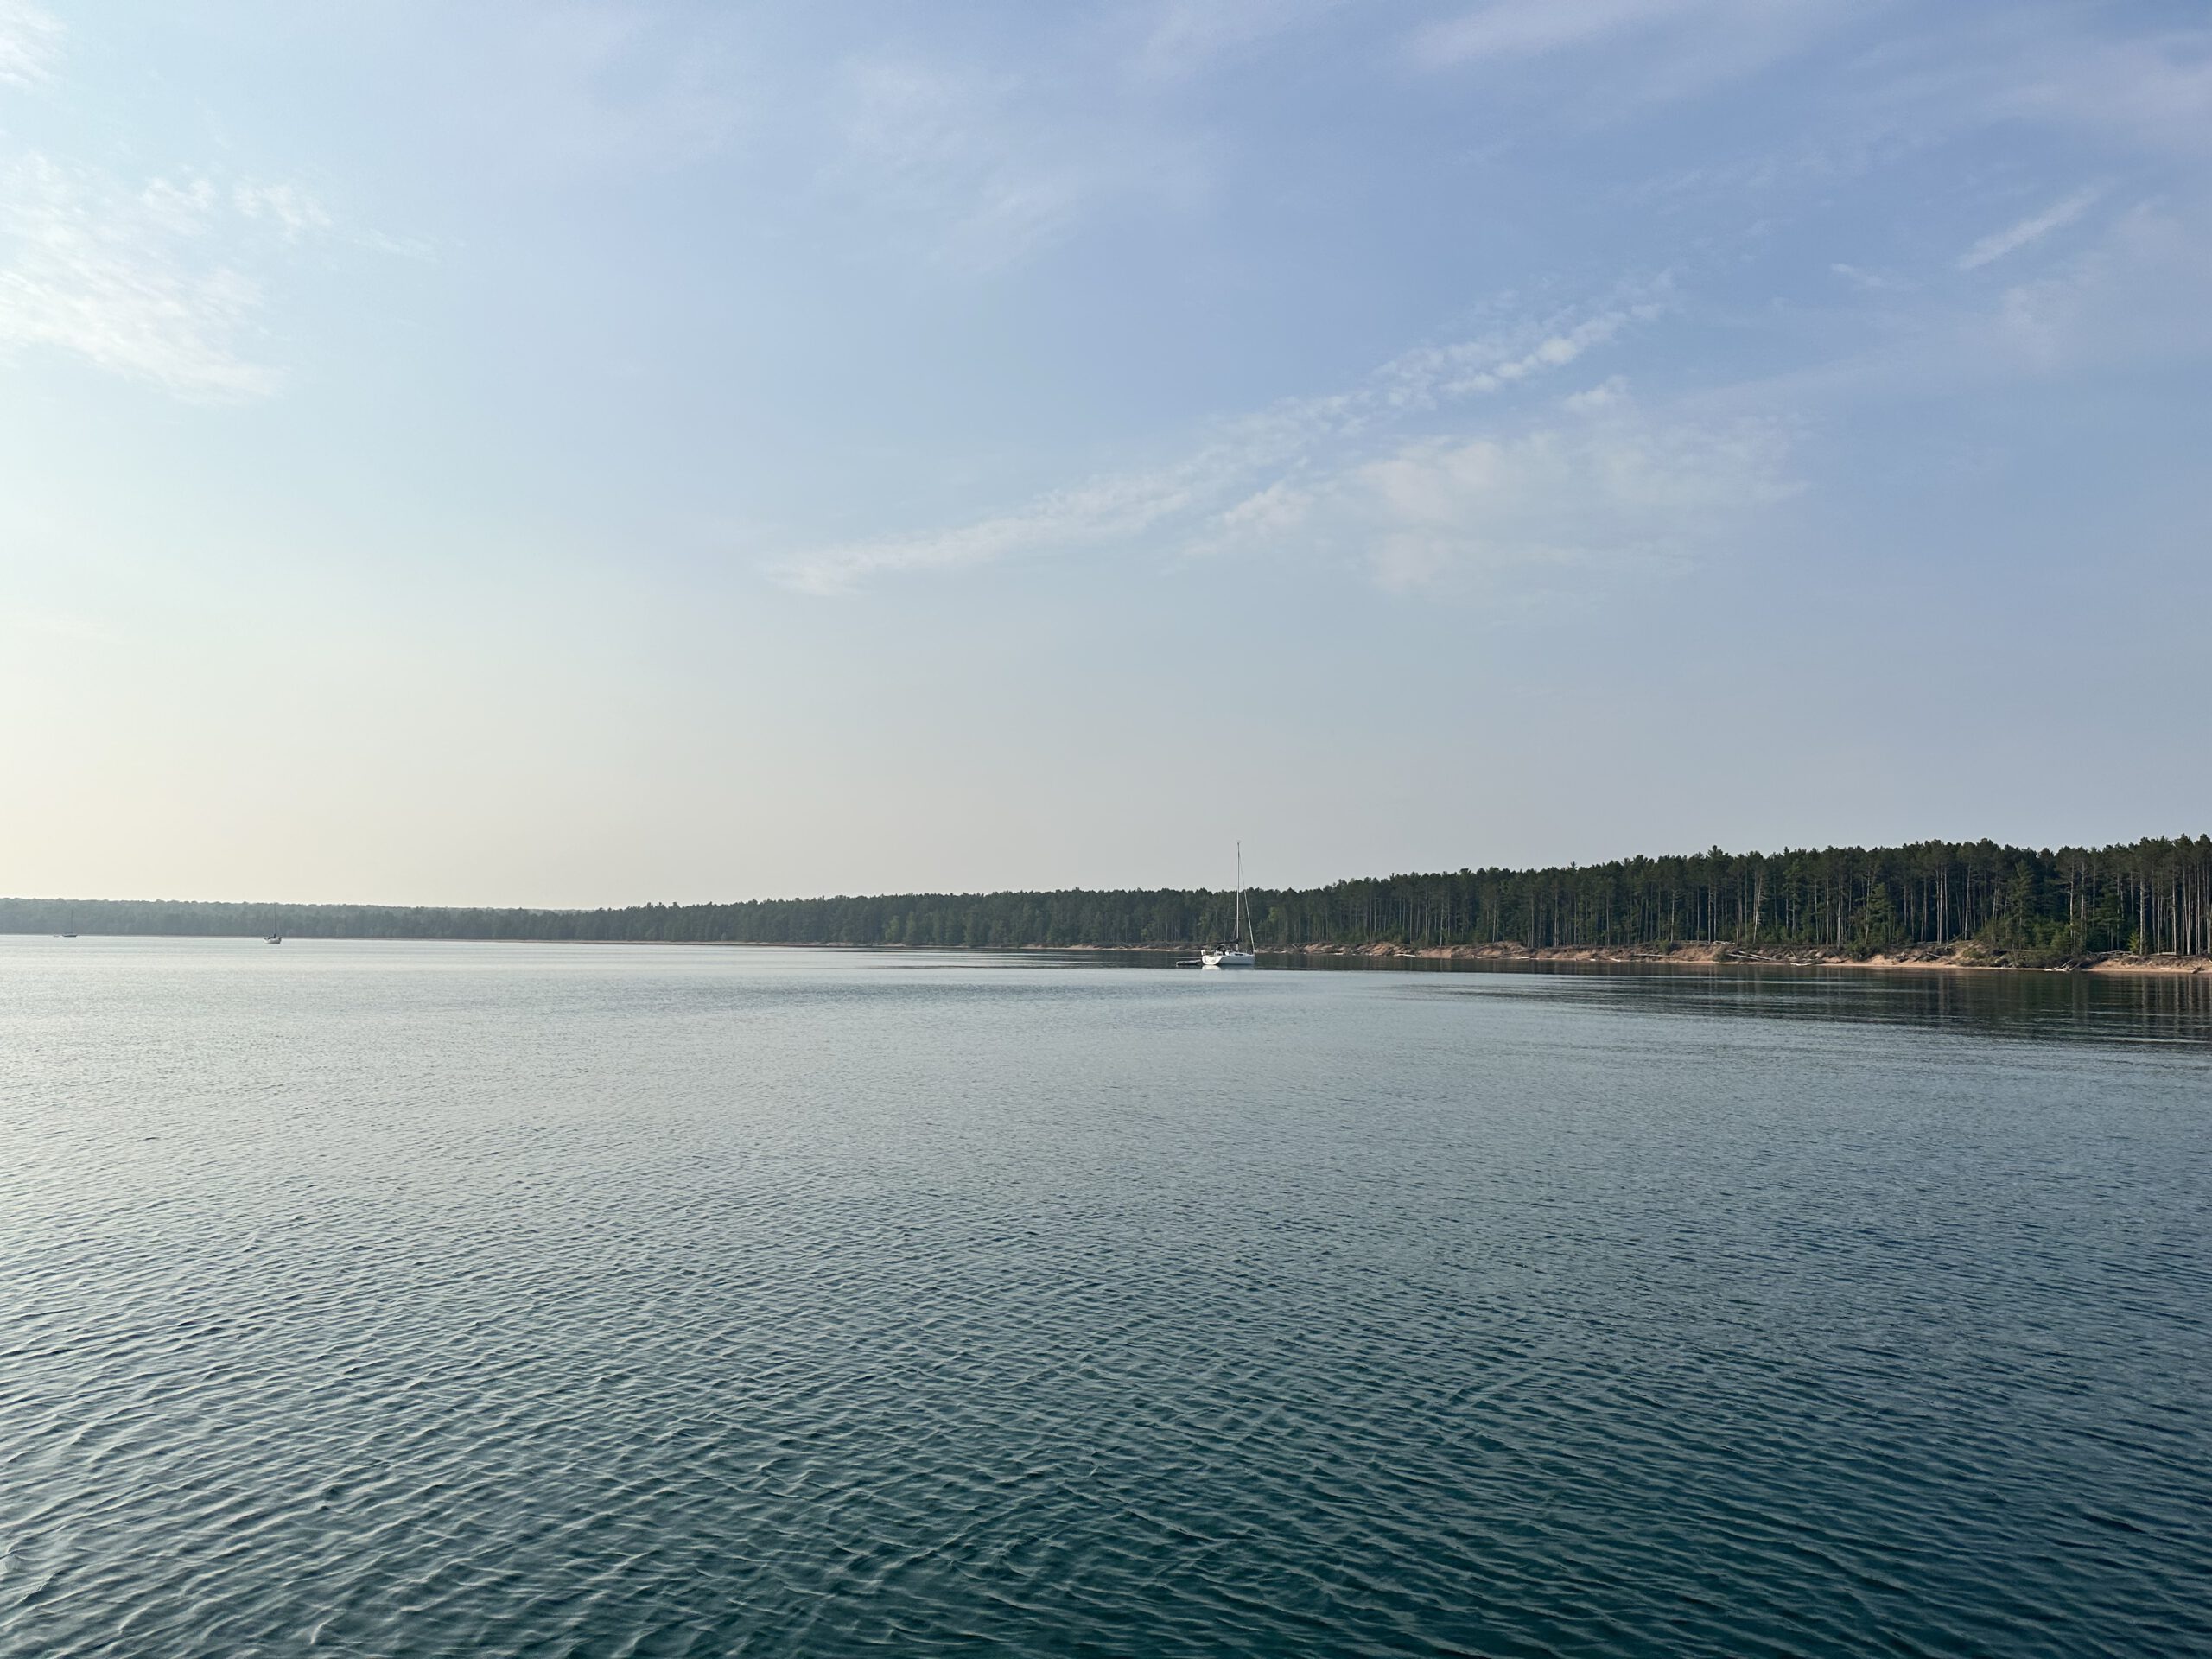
(2155, 896)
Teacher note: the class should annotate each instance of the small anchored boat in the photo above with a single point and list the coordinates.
(1237, 953)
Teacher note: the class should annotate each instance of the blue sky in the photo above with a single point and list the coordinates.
(549, 455)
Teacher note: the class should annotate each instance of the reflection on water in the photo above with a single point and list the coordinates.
(2091, 1007)
(2076, 1007)
(381, 1299)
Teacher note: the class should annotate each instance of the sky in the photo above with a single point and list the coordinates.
(592, 454)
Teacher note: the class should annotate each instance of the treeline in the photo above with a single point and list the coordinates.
(2152, 897)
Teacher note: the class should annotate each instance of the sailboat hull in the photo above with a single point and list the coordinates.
(1233, 955)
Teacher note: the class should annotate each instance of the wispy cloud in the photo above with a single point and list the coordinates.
(2135, 292)
(1099, 512)
(1595, 485)
(936, 148)
(148, 281)
(1187, 36)
(2153, 91)
(981, 173)
(1429, 375)
(1681, 45)
(2013, 238)
(2141, 293)
(30, 40)
(113, 276)
(1870, 281)
(1244, 475)
(1520, 28)
(287, 207)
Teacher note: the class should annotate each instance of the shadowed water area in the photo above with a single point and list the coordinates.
(377, 1299)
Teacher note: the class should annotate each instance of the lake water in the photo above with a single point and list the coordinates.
(377, 1299)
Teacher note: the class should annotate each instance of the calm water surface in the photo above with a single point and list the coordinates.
(426, 1299)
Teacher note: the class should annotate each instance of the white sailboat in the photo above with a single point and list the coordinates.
(1237, 953)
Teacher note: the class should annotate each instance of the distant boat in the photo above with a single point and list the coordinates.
(1237, 953)
(69, 936)
(273, 939)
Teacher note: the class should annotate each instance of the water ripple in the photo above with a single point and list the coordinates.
(381, 1300)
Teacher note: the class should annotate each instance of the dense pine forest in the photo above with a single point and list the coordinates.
(2152, 897)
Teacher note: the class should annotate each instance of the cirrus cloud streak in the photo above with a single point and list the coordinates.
(1592, 479)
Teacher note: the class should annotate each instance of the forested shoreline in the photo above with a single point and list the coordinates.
(2151, 897)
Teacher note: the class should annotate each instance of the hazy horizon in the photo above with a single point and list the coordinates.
(614, 453)
(1356, 876)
